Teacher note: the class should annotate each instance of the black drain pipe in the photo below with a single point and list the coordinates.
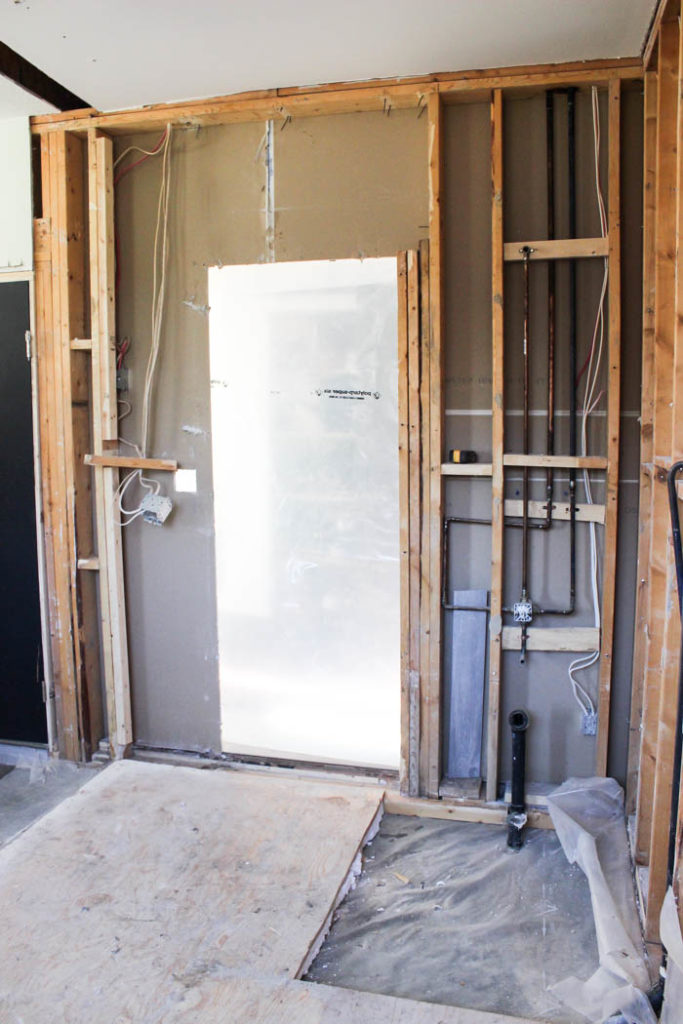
(678, 746)
(519, 723)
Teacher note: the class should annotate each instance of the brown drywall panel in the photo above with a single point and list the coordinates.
(216, 216)
(340, 187)
(351, 185)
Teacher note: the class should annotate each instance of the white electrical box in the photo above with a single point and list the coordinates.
(186, 481)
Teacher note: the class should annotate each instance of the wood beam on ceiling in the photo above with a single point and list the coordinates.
(29, 77)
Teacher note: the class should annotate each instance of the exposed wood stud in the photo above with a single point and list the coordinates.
(430, 715)
(498, 430)
(415, 299)
(646, 453)
(609, 557)
(404, 511)
(105, 429)
(668, 361)
(664, 286)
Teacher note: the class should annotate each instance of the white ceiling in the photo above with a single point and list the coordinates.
(121, 53)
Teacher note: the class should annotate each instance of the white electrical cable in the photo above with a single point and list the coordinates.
(590, 402)
(158, 296)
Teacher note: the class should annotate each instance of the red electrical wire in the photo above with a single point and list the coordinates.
(117, 179)
(141, 160)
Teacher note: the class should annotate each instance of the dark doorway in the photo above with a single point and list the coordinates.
(22, 711)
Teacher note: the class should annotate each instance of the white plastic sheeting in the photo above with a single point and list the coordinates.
(672, 940)
(588, 815)
(304, 407)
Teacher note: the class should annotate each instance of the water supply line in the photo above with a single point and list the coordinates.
(523, 607)
(517, 818)
(550, 203)
(573, 383)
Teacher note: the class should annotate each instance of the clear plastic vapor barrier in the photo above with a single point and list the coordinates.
(304, 409)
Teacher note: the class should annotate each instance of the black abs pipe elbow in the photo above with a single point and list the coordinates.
(519, 723)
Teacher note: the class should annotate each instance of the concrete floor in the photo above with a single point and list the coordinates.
(33, 785)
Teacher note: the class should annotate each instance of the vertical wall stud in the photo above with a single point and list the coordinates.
(498, 424)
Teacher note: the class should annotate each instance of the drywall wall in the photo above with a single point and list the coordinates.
(346, 186)
(16, 223)
(556, 747)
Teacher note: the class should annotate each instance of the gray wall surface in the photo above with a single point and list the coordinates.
(346, 186)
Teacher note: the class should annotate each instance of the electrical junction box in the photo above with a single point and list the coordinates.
(156, 508)
(589, 723)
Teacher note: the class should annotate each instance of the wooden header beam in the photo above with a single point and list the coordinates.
(347, 97)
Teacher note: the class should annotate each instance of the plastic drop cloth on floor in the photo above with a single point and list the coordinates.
(442, 912)
(588, 815)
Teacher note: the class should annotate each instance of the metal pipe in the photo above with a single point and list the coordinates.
(571, 161)
(550, 432)
(526, 253)
(678, 744)
(445, 560)
(519, 723)
(571, 178)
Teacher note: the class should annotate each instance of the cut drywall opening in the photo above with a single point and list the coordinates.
(304, 408)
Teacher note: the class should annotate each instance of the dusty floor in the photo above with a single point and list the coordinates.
(443, 913)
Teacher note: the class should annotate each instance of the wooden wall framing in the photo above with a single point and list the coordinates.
(657, 636)
(75, 338)
(76, 393)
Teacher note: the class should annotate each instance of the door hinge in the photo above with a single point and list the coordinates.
(28, 338)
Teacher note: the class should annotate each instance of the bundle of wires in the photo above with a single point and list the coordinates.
(136, 477)
(591, 398)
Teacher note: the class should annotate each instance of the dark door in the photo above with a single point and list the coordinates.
(22, 712)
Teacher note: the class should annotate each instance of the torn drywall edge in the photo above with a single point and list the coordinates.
(345, 888)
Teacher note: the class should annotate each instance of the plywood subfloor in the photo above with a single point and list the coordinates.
(152, 878)
(264, 1001)
(170, 895)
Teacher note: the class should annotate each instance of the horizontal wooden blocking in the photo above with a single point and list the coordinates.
(394, 803)
(560, 510)
(466, 469)
(556, 461)
(574, 638)
(131, 462)
(557, 249)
